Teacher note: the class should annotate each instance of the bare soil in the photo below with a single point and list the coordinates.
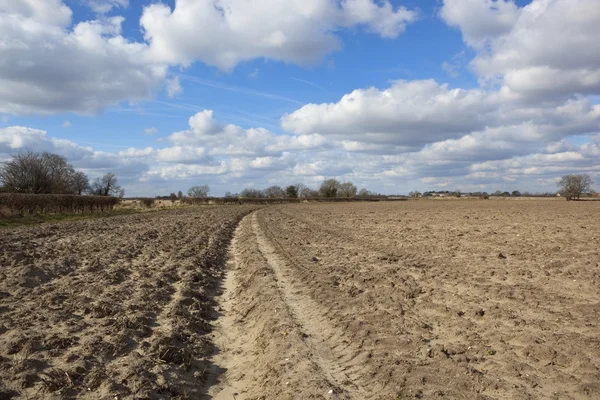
(112, 308)
(420, 299)
(467, 299)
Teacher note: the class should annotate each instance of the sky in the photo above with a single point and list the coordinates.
(392, 95)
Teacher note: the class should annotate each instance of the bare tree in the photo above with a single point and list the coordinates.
(30, 172)
(199, 191)
(415, 194)
(179, 195)
(364, 192)
(305, 192)
(329, 188)
(107, 186)
(274, 192)
(573, 186)
(347, 189)
(25, 173)
(252, 193)
(80, 182)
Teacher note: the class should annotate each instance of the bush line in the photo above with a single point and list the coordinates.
(246, 200)
(31, 204)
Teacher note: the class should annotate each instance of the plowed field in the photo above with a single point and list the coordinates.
(424, 299)
(111, 308)
(420, 299)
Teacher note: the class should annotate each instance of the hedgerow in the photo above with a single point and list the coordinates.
(31, 204)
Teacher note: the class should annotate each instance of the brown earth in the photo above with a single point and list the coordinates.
(111, 308)
(419, 299)
(471, 299)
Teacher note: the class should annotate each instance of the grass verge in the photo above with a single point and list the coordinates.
(11, 222)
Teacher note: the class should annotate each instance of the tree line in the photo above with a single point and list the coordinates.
(329, 188)
(47, 173)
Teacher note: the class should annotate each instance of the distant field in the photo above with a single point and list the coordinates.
(417, 299)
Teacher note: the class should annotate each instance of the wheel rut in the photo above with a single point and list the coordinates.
(274, 340)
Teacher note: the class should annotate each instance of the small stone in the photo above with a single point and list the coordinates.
(501, 256)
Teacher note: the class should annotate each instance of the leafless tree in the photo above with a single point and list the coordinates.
(107, 186)
(364, 192)
(306, 193)
(80, 182)
(573, 186)
(274, 192)
(38, 173)
(329, 188)
(199, 191)
(347, 189)
(252, 193)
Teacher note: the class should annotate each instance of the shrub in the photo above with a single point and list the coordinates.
(147, 202)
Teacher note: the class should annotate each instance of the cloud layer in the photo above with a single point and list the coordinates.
(533, 117)
(49, 65)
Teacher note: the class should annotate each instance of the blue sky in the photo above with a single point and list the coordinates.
(394, 96)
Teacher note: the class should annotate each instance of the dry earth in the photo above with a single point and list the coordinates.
(111, 308)
(420, 299)
(469, 299)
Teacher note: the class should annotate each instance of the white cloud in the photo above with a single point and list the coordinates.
(411, 114)
(227, 32)
(408, 113)
(151, 131)
(229, 158)
(480, 20)
(67, 124)
(47, 67)
(105, 6)
(173, 87)
(543, 51)
(16, 138)
(50, 12)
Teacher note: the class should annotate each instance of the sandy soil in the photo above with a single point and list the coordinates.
(470, 299)
(419, 299)
(112, 308)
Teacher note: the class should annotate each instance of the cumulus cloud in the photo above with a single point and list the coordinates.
(540, 52)
(47, 67)
(14, 139)
(50, 12)
(233, 140)
(480, 20)
(411, 114)
(224, 33)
